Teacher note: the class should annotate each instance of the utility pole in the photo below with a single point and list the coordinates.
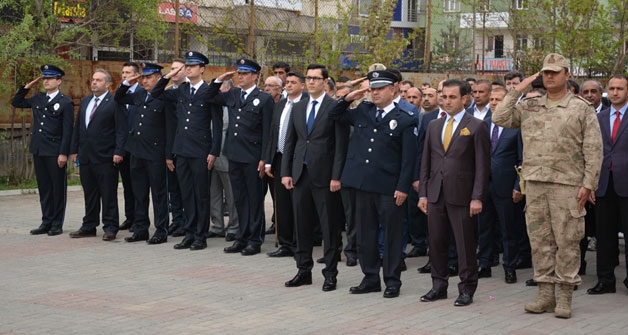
(427, 55)
(252, 30)
(176, 29)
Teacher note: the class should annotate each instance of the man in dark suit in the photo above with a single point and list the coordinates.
(98, 143)
(250, 114)
(129, 70)
(284, 215)
(612, 193)
(454, 175)
(146, 144)
(503, 194)
(379, 168)
(315, 151)
(196, 145)
(53, 119)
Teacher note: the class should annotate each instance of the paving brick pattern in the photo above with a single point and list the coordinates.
(58, 285)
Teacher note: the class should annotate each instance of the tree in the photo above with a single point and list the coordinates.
(451, 54)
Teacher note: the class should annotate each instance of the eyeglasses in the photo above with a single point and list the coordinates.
(314, 78)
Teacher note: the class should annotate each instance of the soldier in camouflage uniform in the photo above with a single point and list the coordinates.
(562, 156)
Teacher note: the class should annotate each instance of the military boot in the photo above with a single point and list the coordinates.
(563, 301)
(545, 300)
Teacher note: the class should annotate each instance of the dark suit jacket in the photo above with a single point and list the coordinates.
(147, 135)
(326, 145)
(196, 123)
(249, 122)
(274, 127)
(106, 134)
(382, 154)
(422, 130)
(616, 152)
(508, 153)
(461, 174)
(408, 107)
(487, 117)
(52, 122)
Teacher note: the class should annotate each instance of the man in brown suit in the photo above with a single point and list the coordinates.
(454, 176)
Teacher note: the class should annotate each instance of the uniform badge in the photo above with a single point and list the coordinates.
(45, 67)
(190, 54)
(256, 102)
(532, 102)
(392, 124)
(375, 74)
(56, 106)
(242, 61)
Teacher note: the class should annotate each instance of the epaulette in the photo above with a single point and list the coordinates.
(585, 100)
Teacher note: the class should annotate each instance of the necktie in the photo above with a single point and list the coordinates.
(242, 96)
(281, 142)
(378, 117)
(616, 125)
(192, 91)
(494, 136)
(311, 117)
(442, 114)
(449, 128)
(91, 115)
(47, 98)
(147, 96)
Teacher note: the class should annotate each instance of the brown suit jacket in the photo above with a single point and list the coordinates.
(461, 174)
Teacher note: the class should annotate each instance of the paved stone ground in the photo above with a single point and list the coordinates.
(58, 285)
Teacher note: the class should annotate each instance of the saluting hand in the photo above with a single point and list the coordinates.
(33, 83)
(357, 94)
(226, 76)
(526, 82)
(173, 72)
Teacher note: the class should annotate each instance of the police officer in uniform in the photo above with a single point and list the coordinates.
(147, 145)
(250, 114)
(379, 166)
(52, 122)
(196, 144)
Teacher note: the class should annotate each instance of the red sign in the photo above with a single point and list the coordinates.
(186, 12)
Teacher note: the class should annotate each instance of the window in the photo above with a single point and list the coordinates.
(413, 9)
(522, 42)
(421, 6)
(485, 5)
(521, 4)
(364, 7)
(451, 6)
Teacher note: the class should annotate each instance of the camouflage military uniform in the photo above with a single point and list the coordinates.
(562, 151)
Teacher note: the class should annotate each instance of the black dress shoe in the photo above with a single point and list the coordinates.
(427, 268)
(126, 224)
(281, 252)
(602, 288)
(391, 292)
(484, 272)
(416, 252)
(42, 229)
(179, 232)
(198, 245)
(250, 250)
(495, 260)
(510, 276)
(434, 295)
(230, 237)
(531, 282)
(186, 243)
(363, 288)
(211, 234)
(453, 270)
(464, 299)
(329, 284)
(404, 267)
(82, 233)
(626, 282)
(235, 247)
(321, 260)
(108, 236)
(352, 261)
(156, 239)
(524, 264)
(583, 268)
(302, 278)
(136, 238)
(270, 230)
(54, 231)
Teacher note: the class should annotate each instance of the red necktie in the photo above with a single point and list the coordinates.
(442, 114)
(616, 126)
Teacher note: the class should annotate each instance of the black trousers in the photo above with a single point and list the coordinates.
(52, 186)
(194, 182)
(175, 205)
(349, 206)
(248, 195)
(373, 210)
(308, 202)
(124, 169)
(284, 215)
(612, 217)
(100, 184)
(149, 175)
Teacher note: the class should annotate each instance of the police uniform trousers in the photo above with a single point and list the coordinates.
(194, 182)
(124, 169)
(373, 210)
(444, 220)
(348, 203)
(100, 184)
(220, 183)
(149, 174)
(248, 195)
(612, 217)
(417, 222)
(284, 216)
(52, 186)
(309, 203)
(175, 205)
(555, 228)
